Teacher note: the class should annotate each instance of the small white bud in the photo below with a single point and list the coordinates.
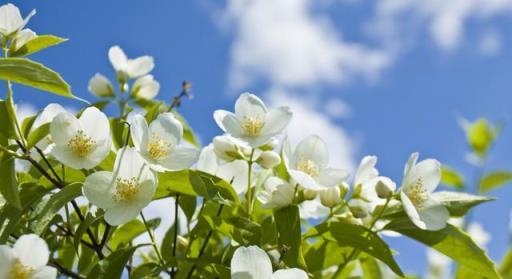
(268, 159)
(330, 197)
(309, 194)
(100, 86)
(359, 208)
(384, 187)
(344, 187)
(228, 149)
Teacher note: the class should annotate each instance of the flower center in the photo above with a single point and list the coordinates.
(418, 194)
(309, 167)
(20, 271)
(126, 189)
(158, 148)
(252, 126)
(81, 144)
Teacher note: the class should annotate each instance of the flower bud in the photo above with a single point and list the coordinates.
(226, 148)
(359, 208)
(344, 187)
(384, 187)
(23, 37)
(182, 244)
(330, 197)
(100, 86)
(309, 194)
(268, 159)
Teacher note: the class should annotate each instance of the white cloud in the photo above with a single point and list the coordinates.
(24, 110)
(308, 119)
(443, 20)
(283, 42)
(491, 43)
(337, 108)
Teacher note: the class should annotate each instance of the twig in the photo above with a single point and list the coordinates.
(185, 91)
(65, 271)
(176, 204)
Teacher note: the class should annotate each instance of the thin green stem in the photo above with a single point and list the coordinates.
(175, 240)
(153, 241)
(249, 184)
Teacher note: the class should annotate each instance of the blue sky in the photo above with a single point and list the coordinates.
(378, 78)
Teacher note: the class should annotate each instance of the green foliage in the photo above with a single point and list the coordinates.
(37, 44)
(451, 177)
(480, 136)
(289, 236)
(9, 186)
(113, 265)
(494, 180)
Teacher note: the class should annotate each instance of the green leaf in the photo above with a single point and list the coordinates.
(37, 135)
(506, 265)
(370, 267)
(129, 231)
(89, 221)
(459, 203)
(289, 236)
(494, 179)
(451, 177)
(480, 135)
(37, 44)
(30, 73)
(146, 271)
(365, 240)
(7, 129)
(113, 265)
(54, 204)
(9, 186)
(194, 183)
(324, 254)
(450, 241)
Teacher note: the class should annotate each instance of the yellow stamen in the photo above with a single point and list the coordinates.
(252, 126)
(418, 194)
(20, 271)
(309, 167)
(158, 148)
(126, 189)
(81, 144)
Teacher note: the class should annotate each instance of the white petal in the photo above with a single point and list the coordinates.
(331, 177)
(366, 170)
(434, 215)
(139, 131)
(26, 19)
(146, 87)
(10, 19)
(290, 273)
(410, 163)
(250, 263)
(129, 164)
(313, 210)
(140, 66)
(228, 122)
(249, 105)
(429, 171)
(117, 58)
(47, 115)
(237, 172)
(100, 86)
(283, 195)
(207, 161)
(276, 120)
(313, 148)
(167, 127)
(31, 251)
(99, 189)
(95, 124)
(304, 180)
(411, 211)
(63, 127)
(45, 272)
(121, 214)
(145, 195)
(180, 158)
(6, 257)
(23, 37)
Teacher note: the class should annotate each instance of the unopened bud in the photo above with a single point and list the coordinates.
(309, 194)
(182, 244)
(344, 187)
(268, 159)
(359, 208)
(226, 149)
(330, 197)
(384, 187)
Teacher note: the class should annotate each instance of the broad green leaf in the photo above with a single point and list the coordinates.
(451, 177)
(37, 135)
(37, 44)
(289, 236)
(9, 185)
(113, 265)
(194, 183)
(371, 268)
(7, 129)
(365, 240)
(30, 73)
(27, 124)
(480, 135)
(188, 204)
(506, 265)
(119, 131)
(495, 179)
(90, 220)
(323, 254)
(146, 271)
(450, 241)
(129, 231)
(54, 204)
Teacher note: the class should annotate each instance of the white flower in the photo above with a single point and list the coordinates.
(251, 121)
(23, 37)
(228, 148)
(367, 180)
(129, 68)
(312, 209)
(27, 259)
(11, 20)
(46, 116)
(420, 180)
(158, 143)
(276, 193)
(268, 159)
(253, 263)
(330, 197)
(81, 143)
(235, 172)
(145, 87)
(307, 165)
(124, 192)
(100, 86)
